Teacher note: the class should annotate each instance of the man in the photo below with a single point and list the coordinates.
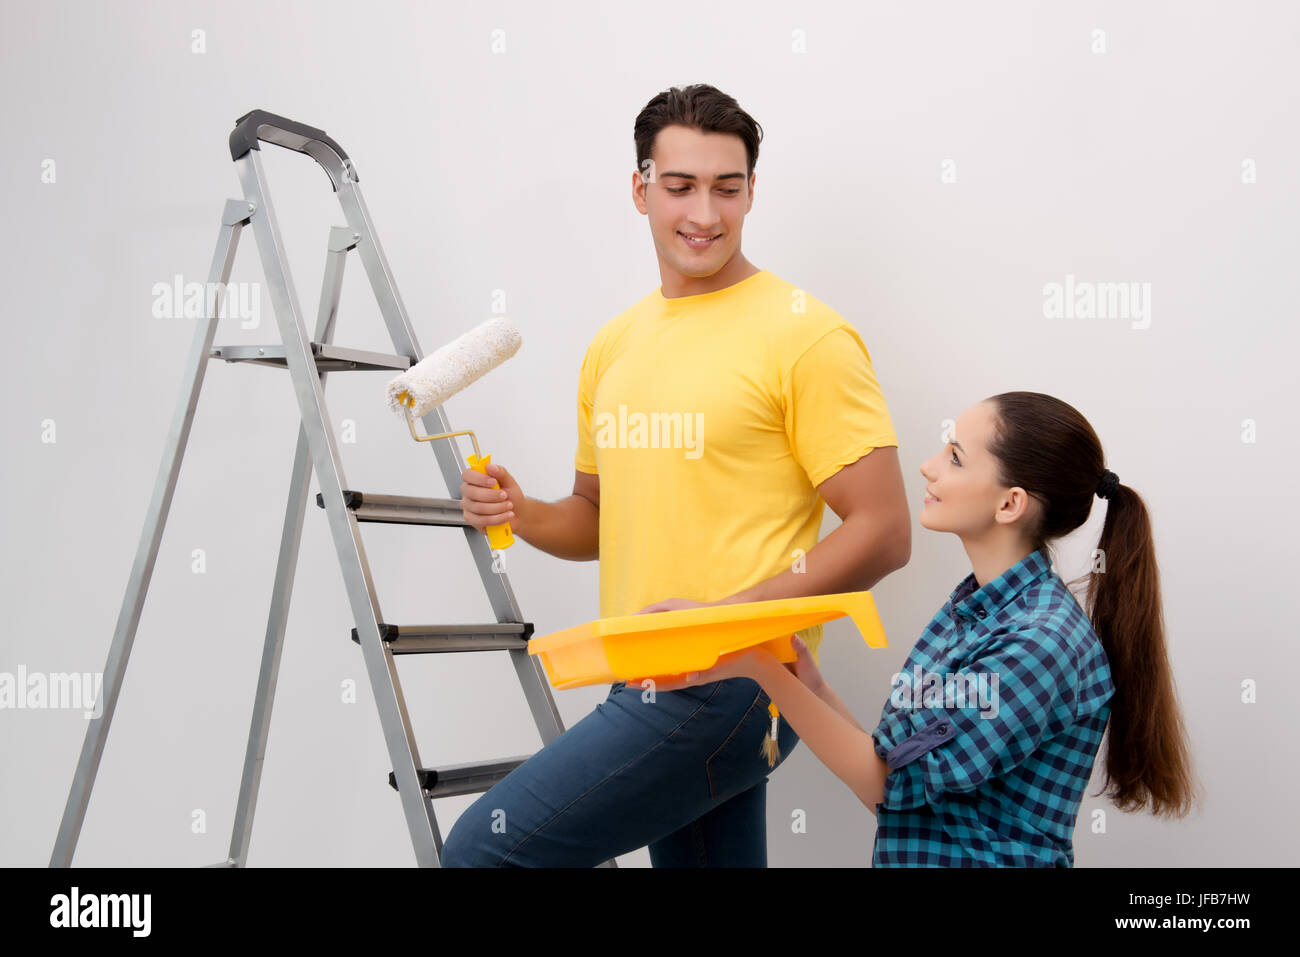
(716, 418)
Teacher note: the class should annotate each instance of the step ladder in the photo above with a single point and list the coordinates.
(308, 361)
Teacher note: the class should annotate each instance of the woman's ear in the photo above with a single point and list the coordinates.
(1017, 505)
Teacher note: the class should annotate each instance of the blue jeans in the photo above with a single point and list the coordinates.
(683, 775)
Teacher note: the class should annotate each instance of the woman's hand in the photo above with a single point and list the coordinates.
(804, 668)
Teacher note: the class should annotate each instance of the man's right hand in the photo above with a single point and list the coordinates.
(483, 505)
(569, 528)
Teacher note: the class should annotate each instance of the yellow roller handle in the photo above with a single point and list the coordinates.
(499, 536)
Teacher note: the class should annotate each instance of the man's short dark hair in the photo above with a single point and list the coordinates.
(701, 107)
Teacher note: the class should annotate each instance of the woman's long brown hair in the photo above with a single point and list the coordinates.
(1047, 448)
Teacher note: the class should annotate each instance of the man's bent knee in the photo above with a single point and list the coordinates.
(473, 843)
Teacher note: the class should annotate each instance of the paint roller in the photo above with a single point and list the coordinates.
(437, 377)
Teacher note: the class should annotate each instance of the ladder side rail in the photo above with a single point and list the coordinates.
(234, 216)
(340, 242)
(385, 686)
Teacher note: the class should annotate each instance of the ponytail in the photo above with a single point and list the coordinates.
(1047, 448)
(1146, 755)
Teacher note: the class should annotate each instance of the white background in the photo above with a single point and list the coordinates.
(511, 171)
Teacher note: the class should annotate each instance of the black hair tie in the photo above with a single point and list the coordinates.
(1108, 485)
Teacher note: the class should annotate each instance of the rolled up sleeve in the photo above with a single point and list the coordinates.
(958, 730)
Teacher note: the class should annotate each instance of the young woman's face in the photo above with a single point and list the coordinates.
(709, 201)
(962, 494)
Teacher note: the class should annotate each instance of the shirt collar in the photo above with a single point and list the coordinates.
(969, 601)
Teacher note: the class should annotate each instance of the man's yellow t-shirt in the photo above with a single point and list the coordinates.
(711, 419)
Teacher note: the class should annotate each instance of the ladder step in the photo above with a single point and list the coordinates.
(329, 358)
(401, 509)
(432, 639)
(469, 778)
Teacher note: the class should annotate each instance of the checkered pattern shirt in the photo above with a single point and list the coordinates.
(992, 727)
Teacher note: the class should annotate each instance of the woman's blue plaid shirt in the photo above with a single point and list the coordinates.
(992, 727)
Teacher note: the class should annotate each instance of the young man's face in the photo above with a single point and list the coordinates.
(699, 190)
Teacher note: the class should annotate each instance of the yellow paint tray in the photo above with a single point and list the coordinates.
(692, 639)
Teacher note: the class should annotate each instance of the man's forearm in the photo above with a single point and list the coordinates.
(852, 558)
(569, 528)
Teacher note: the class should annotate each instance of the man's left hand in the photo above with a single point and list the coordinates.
(728, 666)
(672, 604)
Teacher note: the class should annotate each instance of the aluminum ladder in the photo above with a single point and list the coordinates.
(308, 361)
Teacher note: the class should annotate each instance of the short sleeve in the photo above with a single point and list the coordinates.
(953, 732)
(834, 409)
(584, 460)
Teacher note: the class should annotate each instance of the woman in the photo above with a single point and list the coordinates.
(988, 740)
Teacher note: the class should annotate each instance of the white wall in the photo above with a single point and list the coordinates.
(510, 171)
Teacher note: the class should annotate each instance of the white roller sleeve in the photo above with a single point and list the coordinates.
(436, 377)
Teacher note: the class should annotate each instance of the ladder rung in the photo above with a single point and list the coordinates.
(463, 778)
(432, 639)
(401, 509)
(329, 358)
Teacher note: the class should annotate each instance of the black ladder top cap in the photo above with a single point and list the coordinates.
(244, 136)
